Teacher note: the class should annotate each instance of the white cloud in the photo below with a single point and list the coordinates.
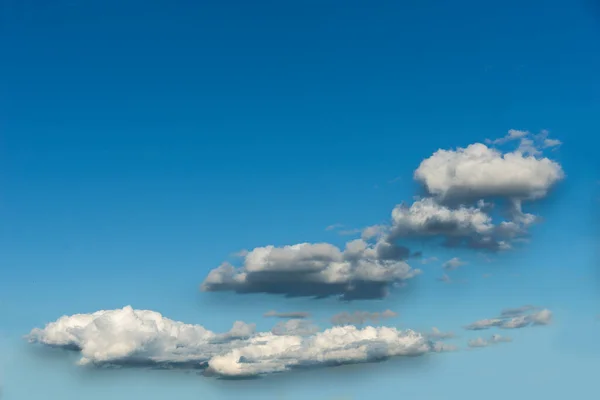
(426, 218)
(361, 270)
(477, 172)
(453, 263)
(141, 337)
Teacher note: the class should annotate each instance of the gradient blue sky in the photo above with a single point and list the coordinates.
(141, 143)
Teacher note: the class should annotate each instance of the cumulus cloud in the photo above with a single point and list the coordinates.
(143, 338)
(290, 314)
(453, 263)
(439, 335)
(478, 172)
(360, 317)
(361, 270)
(462, 226)
(514, 318)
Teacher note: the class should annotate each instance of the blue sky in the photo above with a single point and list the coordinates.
(141, 145)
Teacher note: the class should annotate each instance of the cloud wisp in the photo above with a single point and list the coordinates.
(145, 338)
(514, 318)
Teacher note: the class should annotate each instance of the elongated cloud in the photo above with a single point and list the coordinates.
(144, 338)
(361, 270)
(514, 319)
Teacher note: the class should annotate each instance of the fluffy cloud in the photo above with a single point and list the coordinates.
(291, 314)
(361, 270)
(453, 263)
(514, 318)
(477, 171)
(360, 317)
(141, 337)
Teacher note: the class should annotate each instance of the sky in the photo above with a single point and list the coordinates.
(428, 164)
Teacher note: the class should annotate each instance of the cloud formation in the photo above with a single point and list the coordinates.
(361, 271)
(478, 172)
(145, 338)
(360, 317)
(462, 187)
(514, 318)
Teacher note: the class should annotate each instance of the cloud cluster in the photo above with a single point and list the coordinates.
(361, 270)
(462, 187)
(360, 317)
(145, 338)
(514, 318)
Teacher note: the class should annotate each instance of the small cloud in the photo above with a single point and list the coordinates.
(453, 264)
(487, 275)
(291, 314)
(445, 278)
(514, 318)
(333, 227)
(396, 179)
(494, 339)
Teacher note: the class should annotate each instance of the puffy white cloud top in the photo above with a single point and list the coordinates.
(478, 171)
(142, 337)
